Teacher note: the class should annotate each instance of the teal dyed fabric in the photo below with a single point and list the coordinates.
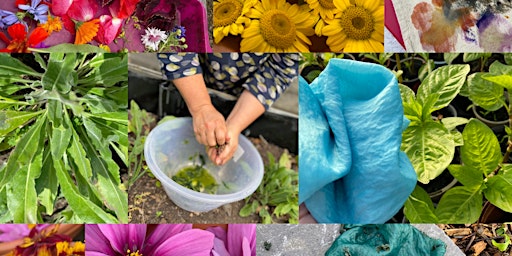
(386, 240)
(351, 167)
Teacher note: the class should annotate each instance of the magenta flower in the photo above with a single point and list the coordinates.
(238, 240)
(139, 239)
(11, 232)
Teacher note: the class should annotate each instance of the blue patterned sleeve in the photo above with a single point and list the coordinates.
(178, 65)
(273, 77)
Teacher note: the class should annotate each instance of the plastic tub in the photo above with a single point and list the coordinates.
(171, 146)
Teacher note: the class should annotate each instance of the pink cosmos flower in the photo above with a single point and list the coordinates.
(168, 239)
(238, 240)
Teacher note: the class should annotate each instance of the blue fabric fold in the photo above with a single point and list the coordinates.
(351, 167)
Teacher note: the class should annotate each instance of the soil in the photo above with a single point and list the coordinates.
(476, 239)
(148, 202)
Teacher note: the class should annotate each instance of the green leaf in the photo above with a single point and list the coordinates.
(502, 246)
(26, 162)
(451, 122)
(12, 120)
(47, 184)
(84, 208)
(39, 59)
(502, 80)
(499, 189)
(466, 175)
(446, 82)
(426, 69)
(72, 48)
(413, 111)
(467, 57)
(449, 57)
(481, 149)
(484, 93)
(108, 180)
(118, 117)
(12, 66)
(430, 148)
(61, 73)
(460, 205)
(419, 207)
(6, 102)
(508, 58)
(498, 68)
(108, 70)
(249, 209)
(60, 140)
(457, 138)
(406, 93)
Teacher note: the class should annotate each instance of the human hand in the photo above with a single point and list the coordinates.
(222, 154)
(209, 126)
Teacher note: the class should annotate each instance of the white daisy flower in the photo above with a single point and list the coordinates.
(153, 37)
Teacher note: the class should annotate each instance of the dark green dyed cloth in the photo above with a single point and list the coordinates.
(386, 239)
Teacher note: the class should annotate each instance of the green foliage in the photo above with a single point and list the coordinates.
(482, 174)
(138, 125)
(67, 122)
(277, 194)
(430, 144)
(502, 231)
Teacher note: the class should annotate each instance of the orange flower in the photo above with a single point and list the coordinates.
(53, 24)
(86, 31)
(19, 42)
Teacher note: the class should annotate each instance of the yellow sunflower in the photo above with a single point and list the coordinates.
(278, 26)
(326, 9)
(358, 27)
(229, 17)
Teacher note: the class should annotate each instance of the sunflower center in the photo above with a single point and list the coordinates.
(357, 22)
(277, 29)
(226, 12)
(328, 4)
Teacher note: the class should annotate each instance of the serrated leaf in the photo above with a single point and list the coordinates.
(451, 122)
(484, 93)
(47, 184)
(499, 190)
(85, 209)
(27, 158)
(466, 175)
(419, 207)
(446, 82)
(430, 148)
(107, 176)
(12, 120)
(12, 66)
(460, 205)
(481, 150)
(61, 74)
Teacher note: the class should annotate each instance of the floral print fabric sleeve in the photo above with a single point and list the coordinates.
(178, 65)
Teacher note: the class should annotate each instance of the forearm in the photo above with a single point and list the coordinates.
(247, 109)
(194, 92)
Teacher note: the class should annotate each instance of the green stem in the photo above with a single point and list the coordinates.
(398, 66)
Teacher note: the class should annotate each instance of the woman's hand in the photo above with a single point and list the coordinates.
(209, 126)
(222, 154)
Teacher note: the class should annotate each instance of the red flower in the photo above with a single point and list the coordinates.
(18, 2)
(19, 42)
(122, 9)
(109, 29)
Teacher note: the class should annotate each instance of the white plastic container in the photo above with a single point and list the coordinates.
(171, 146)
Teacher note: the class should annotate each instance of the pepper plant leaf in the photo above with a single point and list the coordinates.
(466, 175)
(419, 207)
(460, 205)
(445, 82)
(499, 189)
(485, 93)
(430, 148)
(481, 150)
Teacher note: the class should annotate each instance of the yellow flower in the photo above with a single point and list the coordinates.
(229, 17)
(53, 24)
(278, 26)
(86, 31)
(358, 27)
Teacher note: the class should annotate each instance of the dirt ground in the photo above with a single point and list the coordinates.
(148, 203)
(476, 239)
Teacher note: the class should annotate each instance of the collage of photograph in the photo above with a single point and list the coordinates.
(255, 127)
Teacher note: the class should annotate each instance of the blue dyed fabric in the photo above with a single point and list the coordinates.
(351, 167)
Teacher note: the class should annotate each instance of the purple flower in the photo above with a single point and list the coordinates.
(238, 240)
(7, 18)
(40, 11)
(181, 31)
(11, 232)
(140, 239)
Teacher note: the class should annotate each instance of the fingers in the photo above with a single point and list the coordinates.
(220, 134)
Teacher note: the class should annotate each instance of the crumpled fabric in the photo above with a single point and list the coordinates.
(351, 167)
(389, 239)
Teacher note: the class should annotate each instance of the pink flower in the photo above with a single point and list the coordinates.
(109, 29)
(238, 240)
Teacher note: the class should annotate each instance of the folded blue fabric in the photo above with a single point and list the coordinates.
(350, 130)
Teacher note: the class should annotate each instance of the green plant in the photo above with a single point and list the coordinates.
(430, 144)
(67, 114)
(277, 194)
(483, 173)
(139, 127)
(380, 58)
(502, 231)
